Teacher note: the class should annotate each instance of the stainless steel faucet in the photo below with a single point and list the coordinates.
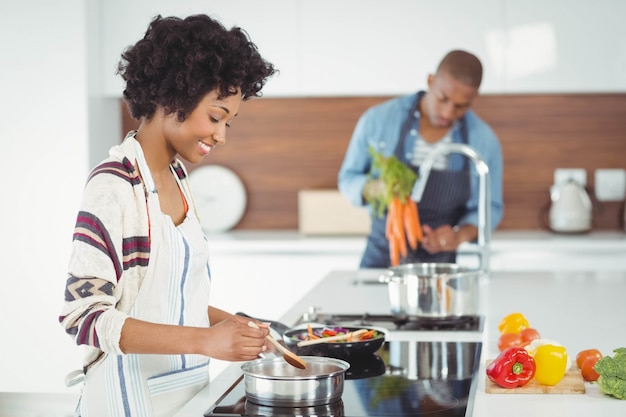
(484, 192)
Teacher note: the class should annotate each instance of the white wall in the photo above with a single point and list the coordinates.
(373, 47)
(104, 118)
(43, 131)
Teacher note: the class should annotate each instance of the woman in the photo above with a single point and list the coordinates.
(138, 288)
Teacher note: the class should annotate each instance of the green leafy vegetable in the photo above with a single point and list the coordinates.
(612, 371)
(397, 177)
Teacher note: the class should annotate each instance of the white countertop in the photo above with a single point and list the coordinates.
(581, 310)
(293, 241)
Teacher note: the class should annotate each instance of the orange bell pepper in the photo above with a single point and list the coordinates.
(513, 323)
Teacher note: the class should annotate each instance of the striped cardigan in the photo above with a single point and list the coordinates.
(110, 253)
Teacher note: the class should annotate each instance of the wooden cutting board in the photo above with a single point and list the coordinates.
(572, 383)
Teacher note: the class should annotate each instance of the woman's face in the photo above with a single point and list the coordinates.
(203, 128)
(447, 99)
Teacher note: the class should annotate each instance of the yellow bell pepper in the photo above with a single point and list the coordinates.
(513, 323)
(532, 348)
(551, 362)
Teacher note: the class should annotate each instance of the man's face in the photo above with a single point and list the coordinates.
(447, 99)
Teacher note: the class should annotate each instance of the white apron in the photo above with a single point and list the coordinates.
(175, 290)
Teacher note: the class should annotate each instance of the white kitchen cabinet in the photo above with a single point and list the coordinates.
(564, 46)
(571, 261)
(367, 47)
(272, 26)
(357, 47)
(545, 251)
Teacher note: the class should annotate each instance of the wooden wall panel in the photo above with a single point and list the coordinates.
(281, 145)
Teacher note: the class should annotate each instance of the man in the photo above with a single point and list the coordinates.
(409, 127)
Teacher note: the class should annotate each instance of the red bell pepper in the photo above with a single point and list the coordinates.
(514, 367)
(329, 332)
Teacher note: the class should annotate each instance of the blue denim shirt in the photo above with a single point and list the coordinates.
(380, 128)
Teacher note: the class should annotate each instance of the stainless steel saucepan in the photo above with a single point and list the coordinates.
(271, 381)
(432, 290)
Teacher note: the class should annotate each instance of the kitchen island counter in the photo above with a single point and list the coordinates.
(579, 309)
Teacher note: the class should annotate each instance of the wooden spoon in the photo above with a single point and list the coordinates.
(290, 357)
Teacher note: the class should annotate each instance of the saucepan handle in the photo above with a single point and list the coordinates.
(279, 327)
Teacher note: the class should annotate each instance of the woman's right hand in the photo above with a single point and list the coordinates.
(233, 340)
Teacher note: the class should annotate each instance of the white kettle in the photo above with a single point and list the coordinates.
(571, 208)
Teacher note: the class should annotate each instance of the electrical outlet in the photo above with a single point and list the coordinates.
(610, 184)
(562, 175)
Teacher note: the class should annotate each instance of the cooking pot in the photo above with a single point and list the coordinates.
(432, 290)
(271, 381)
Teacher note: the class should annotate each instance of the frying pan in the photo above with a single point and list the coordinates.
(342, 350)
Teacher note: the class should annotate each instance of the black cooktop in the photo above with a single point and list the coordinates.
(395, 322)
(403, 378)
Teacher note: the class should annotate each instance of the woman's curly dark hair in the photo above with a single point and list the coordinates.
(179, 61)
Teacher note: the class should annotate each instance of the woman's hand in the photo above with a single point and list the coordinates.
(230, 338)
(233, 340)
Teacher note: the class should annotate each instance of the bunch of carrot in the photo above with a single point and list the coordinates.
(403, 224)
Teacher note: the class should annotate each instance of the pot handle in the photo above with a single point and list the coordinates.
(279, 327)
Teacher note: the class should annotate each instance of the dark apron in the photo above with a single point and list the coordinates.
(443, 202)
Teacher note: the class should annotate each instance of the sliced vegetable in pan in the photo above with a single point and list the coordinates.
(337, 334)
